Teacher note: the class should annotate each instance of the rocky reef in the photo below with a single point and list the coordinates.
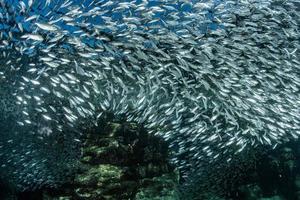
(120, 161)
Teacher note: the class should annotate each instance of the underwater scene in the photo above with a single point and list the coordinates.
(149, 99)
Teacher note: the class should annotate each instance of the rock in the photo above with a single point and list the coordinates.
(287, 153)
(297, 182)
(272, 198)
(122, 162)
(83, 193)
(48, 197)
(99, 175)
(298, 195)
(250, 192)
(159, 188)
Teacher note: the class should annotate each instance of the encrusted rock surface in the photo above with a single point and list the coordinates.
(121, 161)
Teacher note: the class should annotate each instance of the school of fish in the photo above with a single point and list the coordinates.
(212, 78)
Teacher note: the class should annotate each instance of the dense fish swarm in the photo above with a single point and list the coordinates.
(211, 77)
